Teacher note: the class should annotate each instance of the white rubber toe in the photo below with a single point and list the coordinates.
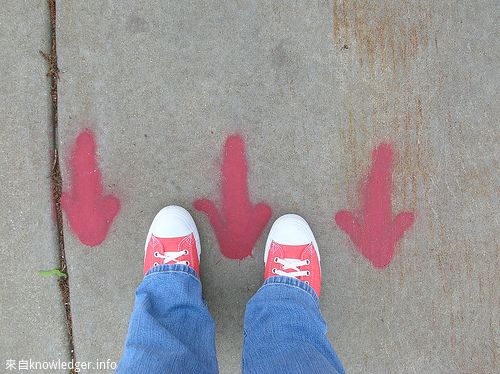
(172, 222)
(290, 229)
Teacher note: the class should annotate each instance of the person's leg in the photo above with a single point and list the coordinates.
(170, 330)
(284, 331)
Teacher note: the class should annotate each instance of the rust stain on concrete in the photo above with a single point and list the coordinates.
(402, 122)
(380, 34)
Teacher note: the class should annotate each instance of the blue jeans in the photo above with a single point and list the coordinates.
(172, 331)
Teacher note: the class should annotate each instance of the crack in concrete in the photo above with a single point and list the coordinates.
(56, 179)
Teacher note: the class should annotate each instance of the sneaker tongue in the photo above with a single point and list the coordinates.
(299, 252)
(171, 244)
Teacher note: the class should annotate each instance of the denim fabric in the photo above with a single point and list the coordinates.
(284, 331)
(171, 330)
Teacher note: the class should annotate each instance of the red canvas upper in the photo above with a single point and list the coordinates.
(298, 252)
(184, 246)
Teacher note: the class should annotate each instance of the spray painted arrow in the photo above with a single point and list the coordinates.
(239, 224)
(376, 232)
(90, 214)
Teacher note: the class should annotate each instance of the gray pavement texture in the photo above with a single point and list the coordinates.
(313, 87)
(32, 324)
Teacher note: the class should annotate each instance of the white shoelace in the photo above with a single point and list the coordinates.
(172, 257)
(291, 263)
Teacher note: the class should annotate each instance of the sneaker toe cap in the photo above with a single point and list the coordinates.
(171, 222)
(291, 229)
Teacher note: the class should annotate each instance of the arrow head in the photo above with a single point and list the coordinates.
(90, 223)
(348, 223)
(401, 223)
(378, 249)
(236, 241)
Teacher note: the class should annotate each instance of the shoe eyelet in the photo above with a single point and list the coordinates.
(308, 273)
(308, 262)
(187, 263)
(156, 254)
(273, 271)
(186, 252)
(306, 282)
(155, 264)
(276, 259)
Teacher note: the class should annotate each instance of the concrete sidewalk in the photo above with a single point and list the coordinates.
(32, 323)
(312, 87)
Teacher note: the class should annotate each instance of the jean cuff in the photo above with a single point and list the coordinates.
(173, 267)
(293, 282)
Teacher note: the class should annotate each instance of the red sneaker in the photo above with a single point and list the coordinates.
(172, 239)
(292, 251)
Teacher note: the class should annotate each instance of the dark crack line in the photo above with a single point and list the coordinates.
(56, 180)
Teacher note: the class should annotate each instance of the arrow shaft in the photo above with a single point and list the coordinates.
(236, 203)
(85, 175)
(377, 210)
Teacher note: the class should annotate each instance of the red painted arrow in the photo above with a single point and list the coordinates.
(240, 223)
(90, 214)
(376, 233)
